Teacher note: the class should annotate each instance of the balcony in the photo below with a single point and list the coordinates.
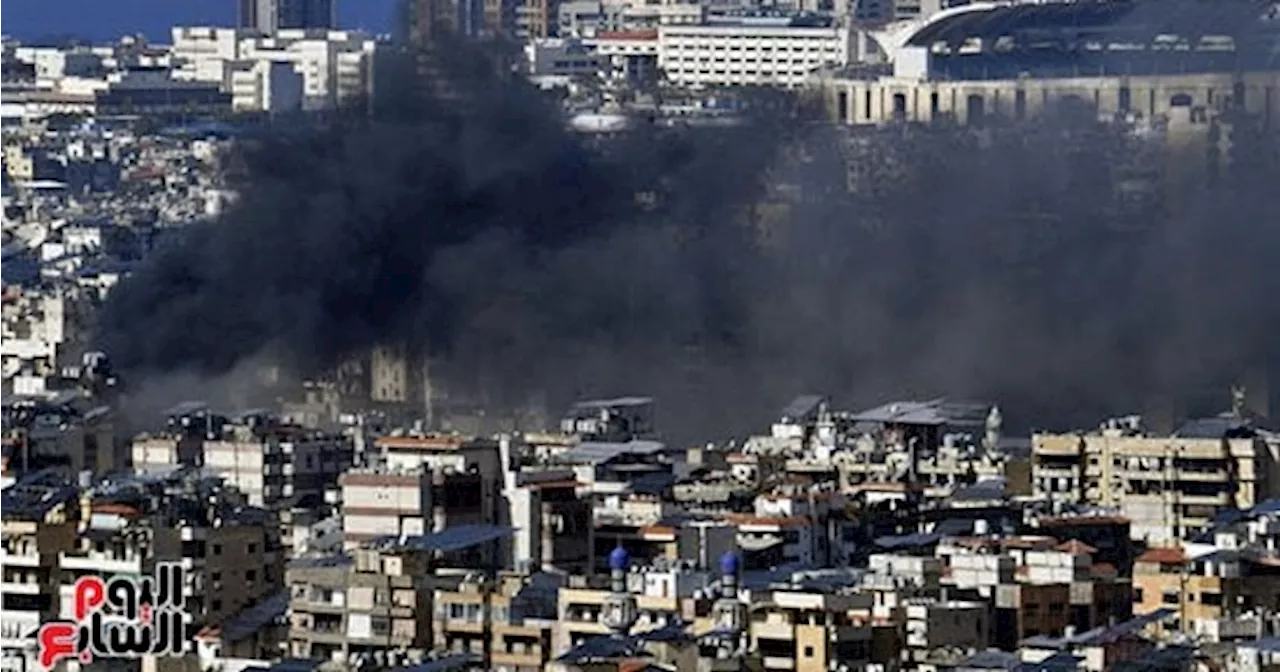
(24, 588)
(24, 560)
(1226, 629)
(464, 625)
(100, 564)
(530, 658)
(773, 630)
(318, 635)
(779, 662)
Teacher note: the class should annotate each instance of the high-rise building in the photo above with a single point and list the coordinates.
(269, 16)
(436, 29)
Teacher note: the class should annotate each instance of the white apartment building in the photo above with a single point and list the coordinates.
(204, 54)
(54, 63)
(561, 57)
(335, 65)
(753, 51)
(268, 86)
(628, 55)
(37, 331)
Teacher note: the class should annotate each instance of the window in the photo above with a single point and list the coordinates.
(808, 652)
(253, 548)
(217, 549)
(1211, 599)
(215, 577)
(1170, 598)
(251, 575)
(215, 605)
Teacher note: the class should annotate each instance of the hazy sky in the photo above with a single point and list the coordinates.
(107, 19)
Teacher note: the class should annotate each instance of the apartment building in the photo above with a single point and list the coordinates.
(344, 606)
(752, 51)
(1036, 585)
(66, 431)
(230, 551)
(809, 630)
(334, 66)
(37, 325)
(1168, 487)
(944, 633)
(39, 523)
(1204, 591)
(270, 461)
(510, 619)
(466, 475)
(663, 590)
(554, 524)
(375, 604)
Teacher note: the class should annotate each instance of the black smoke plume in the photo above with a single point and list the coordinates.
(528, 261)
(463, 225)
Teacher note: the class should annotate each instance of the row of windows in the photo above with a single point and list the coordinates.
(774, 62)
(747, 45)
(689, 72)
(752, 46)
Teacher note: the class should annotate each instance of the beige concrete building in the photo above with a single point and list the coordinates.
(344, 606)
(1168, 487)
(810, 631)
(39, 525)
(510, 621)
(268, 460)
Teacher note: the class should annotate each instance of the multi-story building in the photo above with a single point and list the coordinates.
(1168, 487)
(377, 602)
(1036, 585)
(421, 485)
(266, 459)
(941, 634)
(811, 630)
(40, 518)
(230, 551)
(554, 525)
(261, 73)
(342, 606)
(269, 16)
(753, 51)
(1204, 592)
(662, 590)
(62, 432)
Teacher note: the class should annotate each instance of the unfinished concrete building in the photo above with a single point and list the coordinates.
(1168, 486)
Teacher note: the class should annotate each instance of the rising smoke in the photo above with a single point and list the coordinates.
(523, 261)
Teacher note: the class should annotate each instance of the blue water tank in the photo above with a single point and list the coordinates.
(729, 564)
(619, 559)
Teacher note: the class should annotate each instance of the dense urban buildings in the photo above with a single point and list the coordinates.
(372, 521)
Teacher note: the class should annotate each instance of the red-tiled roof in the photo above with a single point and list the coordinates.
(1164, 556)
(1077, 547)
(1103, 569)
(628, 35)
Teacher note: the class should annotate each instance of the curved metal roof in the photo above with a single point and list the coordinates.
(1119, 20)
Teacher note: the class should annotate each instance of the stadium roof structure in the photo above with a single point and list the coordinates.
(1128, 22)
(983, 40)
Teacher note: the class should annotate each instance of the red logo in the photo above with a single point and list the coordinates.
(120, 618)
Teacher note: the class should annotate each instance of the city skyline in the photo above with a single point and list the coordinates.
(97, 21)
